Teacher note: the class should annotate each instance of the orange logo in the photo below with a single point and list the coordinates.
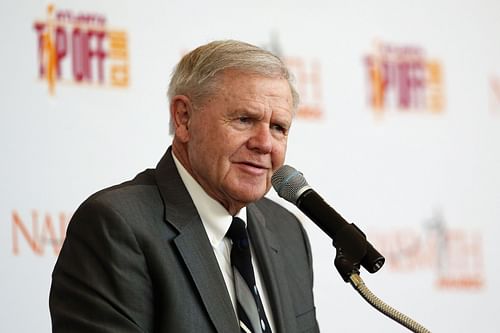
(403, 78)
(40, 234)
(454, 255)
(78, 48)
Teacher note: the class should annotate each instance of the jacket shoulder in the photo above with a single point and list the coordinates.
(133, 202)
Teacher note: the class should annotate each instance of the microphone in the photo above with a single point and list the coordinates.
(352, 247)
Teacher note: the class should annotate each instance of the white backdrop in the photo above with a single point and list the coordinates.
(399, 131)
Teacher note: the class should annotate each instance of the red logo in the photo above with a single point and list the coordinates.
(79, 48)
(307, 73)
(404, 79)
(37, 234)
(454, 255)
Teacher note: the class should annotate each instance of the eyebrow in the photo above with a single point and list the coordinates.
(247, 111)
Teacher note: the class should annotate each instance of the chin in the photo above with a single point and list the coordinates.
(252, 197)
(248, 192)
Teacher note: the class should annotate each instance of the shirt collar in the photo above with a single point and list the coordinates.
(215, 218)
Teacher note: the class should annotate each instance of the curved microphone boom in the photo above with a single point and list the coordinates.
(352, 247)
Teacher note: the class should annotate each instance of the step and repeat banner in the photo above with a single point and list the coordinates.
(399, 130)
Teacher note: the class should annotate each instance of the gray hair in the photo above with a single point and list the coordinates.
(195, 76)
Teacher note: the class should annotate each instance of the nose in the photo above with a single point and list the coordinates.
(261, 139)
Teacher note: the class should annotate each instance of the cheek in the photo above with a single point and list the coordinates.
(278, 154)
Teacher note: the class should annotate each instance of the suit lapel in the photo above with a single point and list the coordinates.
(195, 249)
(194, 246)
(270, 260)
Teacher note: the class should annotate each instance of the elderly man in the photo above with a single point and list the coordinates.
(169, 250)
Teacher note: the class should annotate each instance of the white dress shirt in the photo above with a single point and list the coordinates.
(217, 220)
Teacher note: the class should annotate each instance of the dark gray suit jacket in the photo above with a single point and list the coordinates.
(137, 259)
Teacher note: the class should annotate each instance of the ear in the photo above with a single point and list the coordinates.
(181, 110)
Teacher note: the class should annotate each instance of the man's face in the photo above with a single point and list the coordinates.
(238, 137)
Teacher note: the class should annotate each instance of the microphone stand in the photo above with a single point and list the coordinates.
(354, 250)
(386, 309)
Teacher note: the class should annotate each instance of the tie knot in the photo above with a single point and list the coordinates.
(238, 233)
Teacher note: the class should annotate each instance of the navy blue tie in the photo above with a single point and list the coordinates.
(249, 305)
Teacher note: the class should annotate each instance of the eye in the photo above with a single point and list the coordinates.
(278, 128)
(243, 122)
(244, 119)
